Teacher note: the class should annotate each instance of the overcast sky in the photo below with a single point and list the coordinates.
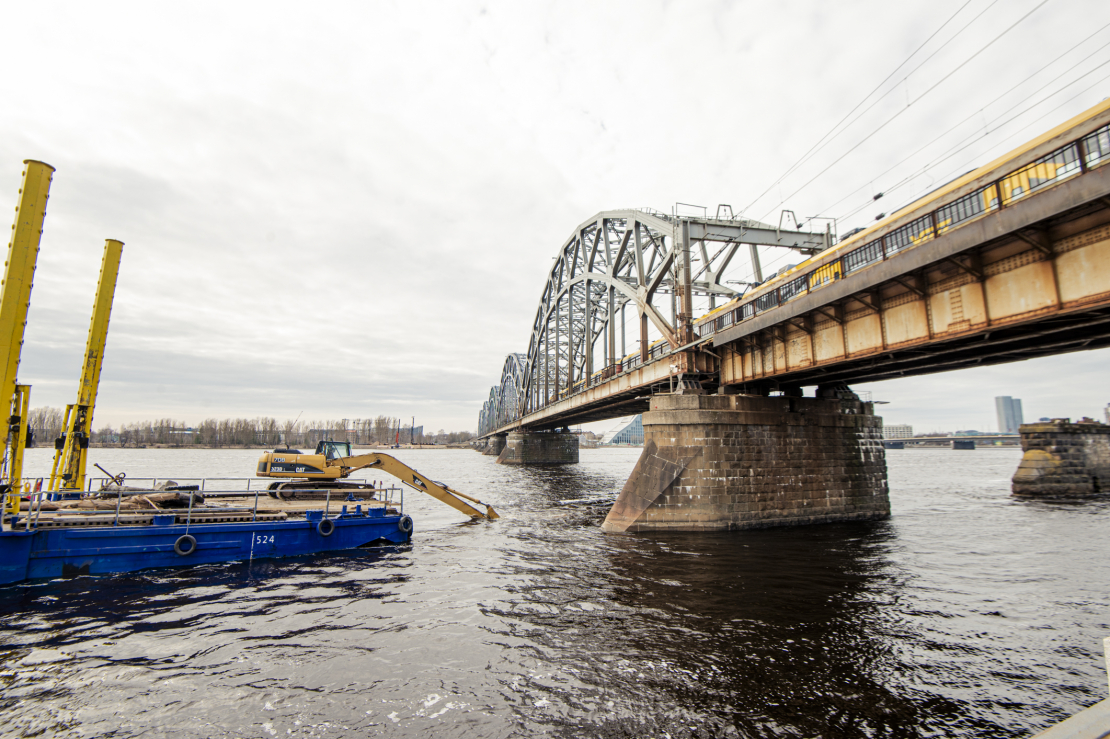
(350, 209)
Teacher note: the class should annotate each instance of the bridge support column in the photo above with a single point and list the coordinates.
(1063, 459)
(494, 445)
(742, 461)
(540, 447)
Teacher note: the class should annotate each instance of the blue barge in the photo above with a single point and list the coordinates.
(70, 543)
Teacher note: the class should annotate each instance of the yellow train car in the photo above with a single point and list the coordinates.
(929, 217)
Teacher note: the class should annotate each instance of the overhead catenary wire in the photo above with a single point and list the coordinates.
(1019, 131)
(966, 142)
(981, 109)
(955, 172)
(822, 141)
(894, 117)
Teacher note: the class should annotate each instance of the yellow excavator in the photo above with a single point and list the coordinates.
(333, 463)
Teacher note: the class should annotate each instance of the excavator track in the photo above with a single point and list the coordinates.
(317, 489)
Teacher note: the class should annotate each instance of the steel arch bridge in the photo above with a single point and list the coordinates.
(622, 272)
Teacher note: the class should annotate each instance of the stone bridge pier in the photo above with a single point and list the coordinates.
(494, 445)
(540, 447)
(746, 461)
(1063, 460)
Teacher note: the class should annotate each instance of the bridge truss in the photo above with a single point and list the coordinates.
(617, 273)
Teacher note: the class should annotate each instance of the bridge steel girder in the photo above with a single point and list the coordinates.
(1008, 262)
(618, 260)
(1027, 280)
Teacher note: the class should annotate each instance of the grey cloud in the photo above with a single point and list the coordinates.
(356, 209)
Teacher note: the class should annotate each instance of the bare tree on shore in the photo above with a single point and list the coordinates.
(46, 425)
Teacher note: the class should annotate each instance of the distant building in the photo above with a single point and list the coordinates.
(1009, 414)
(1106, 412)
(629, 432)
(898, 431)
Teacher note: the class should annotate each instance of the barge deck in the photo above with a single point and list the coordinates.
(228, 525)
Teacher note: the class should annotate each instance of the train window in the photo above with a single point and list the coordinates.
(863, 256)
(1097, 146)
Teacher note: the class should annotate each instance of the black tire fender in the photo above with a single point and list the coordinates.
(405, 525)
(326, 527)
(185, 545)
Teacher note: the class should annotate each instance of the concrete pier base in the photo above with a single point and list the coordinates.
(539, 447)
(743, 461)
(494, 445)
(1063, 460)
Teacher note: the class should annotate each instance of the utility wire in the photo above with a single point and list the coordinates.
(1027, 125)
(965, 120)
(813, 149)
(960, 146)
(903, 110)
(936, 51)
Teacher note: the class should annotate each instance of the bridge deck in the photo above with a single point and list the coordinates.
(1009, 262)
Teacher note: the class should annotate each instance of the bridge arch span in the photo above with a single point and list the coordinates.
(619, 280)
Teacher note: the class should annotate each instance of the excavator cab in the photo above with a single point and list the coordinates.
(334, 449)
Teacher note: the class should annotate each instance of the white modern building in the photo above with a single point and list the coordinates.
(1009, 414)
(628, 431)
(898, 431)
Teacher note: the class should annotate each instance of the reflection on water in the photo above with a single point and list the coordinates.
(966, 613)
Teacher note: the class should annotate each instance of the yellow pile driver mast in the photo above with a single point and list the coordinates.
(71, 449)
(15, 297)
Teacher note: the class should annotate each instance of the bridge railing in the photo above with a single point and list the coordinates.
(660, 349)
(1069, 160)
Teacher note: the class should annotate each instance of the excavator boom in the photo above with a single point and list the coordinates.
(414, 479)
(333, 461)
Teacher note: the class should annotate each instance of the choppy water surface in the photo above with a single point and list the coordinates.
(967, 613)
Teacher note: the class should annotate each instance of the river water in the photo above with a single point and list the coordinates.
(966, 613)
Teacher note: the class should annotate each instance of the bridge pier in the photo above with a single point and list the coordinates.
(540, 447)
(742, 461)
(1063, 459)
(494, 445)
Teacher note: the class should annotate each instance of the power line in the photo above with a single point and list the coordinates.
(988, 124)
(992, 102)
(936, 51)
(820, 142)
(960, 146)
(1027, 125)
(903, 110)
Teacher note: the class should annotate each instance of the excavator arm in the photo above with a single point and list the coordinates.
(414, 479)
